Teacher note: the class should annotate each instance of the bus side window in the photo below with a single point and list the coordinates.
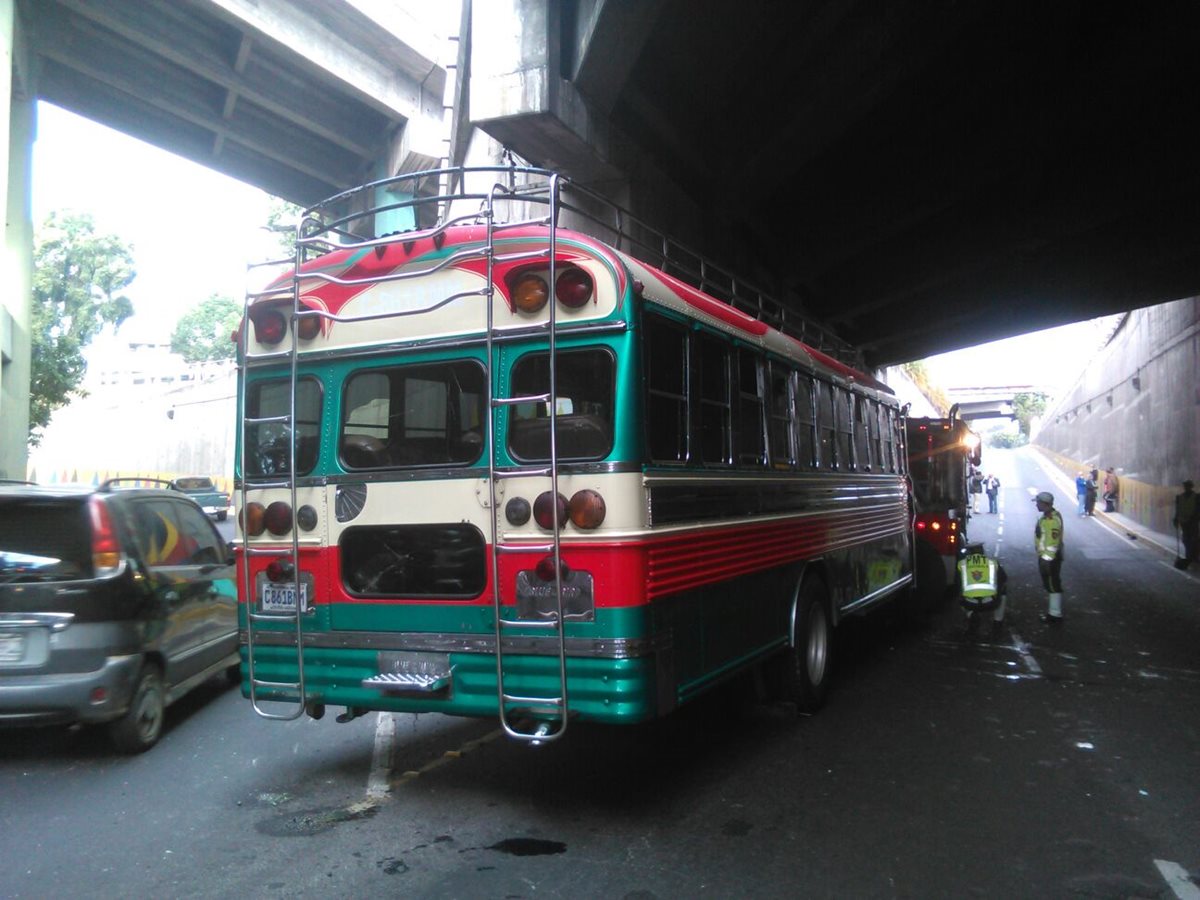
(751, 432)
(873, 413)
(860, 407)
(780, 434)
(826, 457)
(806, 445)
(666, 346)
(715, 423)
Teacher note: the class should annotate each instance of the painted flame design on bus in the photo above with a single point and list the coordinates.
(490, 465)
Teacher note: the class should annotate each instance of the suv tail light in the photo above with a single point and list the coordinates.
(106, 551)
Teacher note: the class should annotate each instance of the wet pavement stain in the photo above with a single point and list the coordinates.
(391, 866)
(310, 822)
(528, 847)
(736, 828)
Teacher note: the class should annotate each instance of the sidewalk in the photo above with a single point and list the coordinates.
(1117, 522)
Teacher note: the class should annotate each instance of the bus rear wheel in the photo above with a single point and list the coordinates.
(801, 674)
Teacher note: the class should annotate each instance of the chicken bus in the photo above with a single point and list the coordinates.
(490, 465)
(941, 454)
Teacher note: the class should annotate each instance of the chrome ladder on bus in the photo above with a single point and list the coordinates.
(546, 714)
(293, 691)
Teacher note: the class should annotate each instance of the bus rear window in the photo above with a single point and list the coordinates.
(266, 443)
(428, 414)
(583, 405)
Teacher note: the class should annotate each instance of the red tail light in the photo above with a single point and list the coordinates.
(281, 570)
(279, 518)
(270, 326)
(545, 569)
(106, 551)
(574, 288)
(543, 510)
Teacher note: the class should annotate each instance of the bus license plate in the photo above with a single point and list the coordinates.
(282, 598)
(12, 646)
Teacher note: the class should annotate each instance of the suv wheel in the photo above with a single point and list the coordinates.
(141, 726)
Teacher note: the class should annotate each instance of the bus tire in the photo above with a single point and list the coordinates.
(801, 674)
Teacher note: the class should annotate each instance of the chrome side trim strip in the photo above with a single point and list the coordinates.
(875, 596)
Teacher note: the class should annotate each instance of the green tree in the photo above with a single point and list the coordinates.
(203, 334)
(281, 219)
(1026, 408)
(79, 277)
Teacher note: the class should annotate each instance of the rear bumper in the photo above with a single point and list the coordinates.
(66, 698)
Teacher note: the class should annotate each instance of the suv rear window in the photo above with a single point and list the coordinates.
(44, 539)
(195, 484)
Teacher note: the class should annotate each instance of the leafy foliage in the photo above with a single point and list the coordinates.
(1006, 439)
(78, 281)
(282, 219)
(203, 333)
(1026, 408)
(919, 375)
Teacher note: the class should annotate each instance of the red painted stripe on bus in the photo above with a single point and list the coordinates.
(633, 573)
(712, 306)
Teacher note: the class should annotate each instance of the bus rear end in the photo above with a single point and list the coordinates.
(940, 453)
(437, 416)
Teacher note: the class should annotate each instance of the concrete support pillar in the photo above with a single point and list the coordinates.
(16, 153)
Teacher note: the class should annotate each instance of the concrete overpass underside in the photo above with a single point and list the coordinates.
(919, 176)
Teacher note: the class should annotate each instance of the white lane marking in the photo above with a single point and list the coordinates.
(379, 782)
(1177, 880)
(1023, 649)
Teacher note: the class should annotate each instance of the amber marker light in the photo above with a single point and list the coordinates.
(586, 509)
(530, 293)
(573, 288)
(253, 519)
(308, 326)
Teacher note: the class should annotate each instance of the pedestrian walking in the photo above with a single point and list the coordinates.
(1048, 539)
(1187, 521)
(991, 485)
(1081, 492)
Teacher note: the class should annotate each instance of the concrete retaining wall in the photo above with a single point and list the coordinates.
(1136, 408)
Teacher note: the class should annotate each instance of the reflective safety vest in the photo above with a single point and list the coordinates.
(978, 577)
(1048, 535)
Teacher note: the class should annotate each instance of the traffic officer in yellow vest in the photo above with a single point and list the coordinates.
(984, 586)
(1048, 538)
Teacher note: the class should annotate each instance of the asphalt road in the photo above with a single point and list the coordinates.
(1043, 763)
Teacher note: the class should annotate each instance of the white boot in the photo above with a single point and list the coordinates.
(1056, 606)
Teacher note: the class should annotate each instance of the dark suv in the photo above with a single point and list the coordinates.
(113, 604)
